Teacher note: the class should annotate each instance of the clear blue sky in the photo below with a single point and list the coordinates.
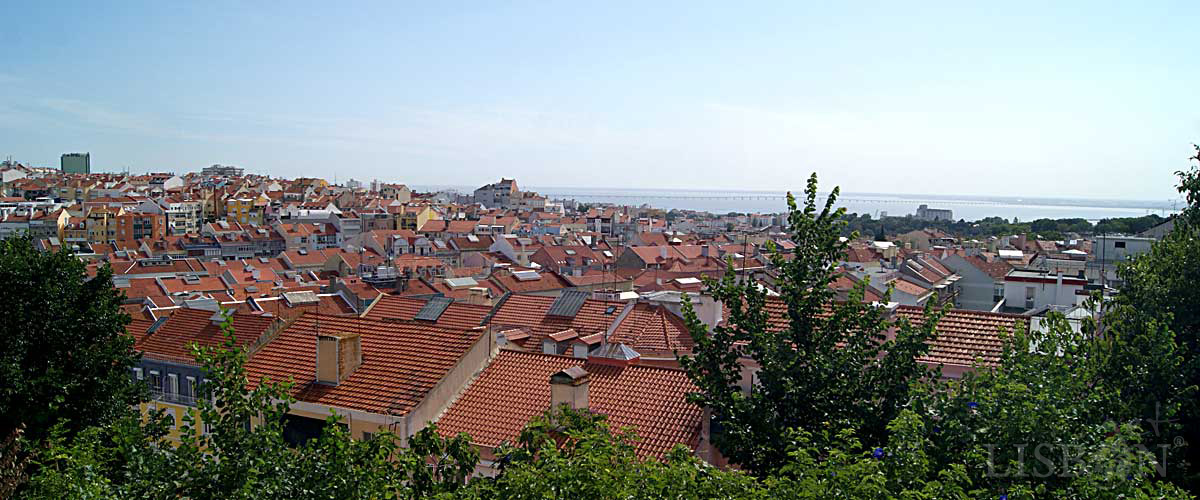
(1073, 99)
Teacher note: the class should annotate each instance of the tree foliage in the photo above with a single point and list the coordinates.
(1047, 229)
(840, 407)
(232, 446)
(1162, 286)
(825, 368)
(64, 353)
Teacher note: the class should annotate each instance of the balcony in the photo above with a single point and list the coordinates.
(168, 397)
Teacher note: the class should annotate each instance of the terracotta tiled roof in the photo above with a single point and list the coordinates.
(402, 362)
(308, 259)
(929, 275)
(653, 329)
(415, 286)
(530, 312)
(202, 284)
(997, 268)
(935, 266)
(480, 244)
(332, 304)
(909, 287)
(515, 387)
(457, 315)
(964, 335)
(138, 326)
(592, 278)
(173, 339)
(861, 254)
(546, 282)
(142, 287)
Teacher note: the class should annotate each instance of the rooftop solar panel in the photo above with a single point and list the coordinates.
(433, 309)
(567, 305)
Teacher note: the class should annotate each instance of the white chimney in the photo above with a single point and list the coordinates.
(479, 295)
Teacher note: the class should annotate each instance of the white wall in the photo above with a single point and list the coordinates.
(1044, 294)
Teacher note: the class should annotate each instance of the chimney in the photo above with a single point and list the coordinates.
(662, 252)
(570, 387)
(338, 355)
(704, 250)
(479, 296)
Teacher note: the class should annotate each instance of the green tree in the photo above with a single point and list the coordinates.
(65, 357)
(825, 369)
(575, 454)
(1059, 416)
(1162, 284)
(242, 452)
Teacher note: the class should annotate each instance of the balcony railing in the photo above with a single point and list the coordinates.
(170, 397)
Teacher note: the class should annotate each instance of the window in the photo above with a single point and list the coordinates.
(1119, 244)
(190, 390)
(155, 381)
(137, 373)
(172, 384)
(367, 436)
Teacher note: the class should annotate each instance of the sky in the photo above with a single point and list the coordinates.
(1073, 99)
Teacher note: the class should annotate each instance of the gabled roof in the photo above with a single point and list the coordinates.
(962, 335)
(909, 287)
(515, 387)
(173, 339)
(965, 335)
(653, 329)
(997, 268)
(401, 363)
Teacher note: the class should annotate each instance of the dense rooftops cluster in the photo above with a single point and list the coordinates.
(478, 311)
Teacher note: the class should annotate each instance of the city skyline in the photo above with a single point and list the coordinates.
(1061, 101)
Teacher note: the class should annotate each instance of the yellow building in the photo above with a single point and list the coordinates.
(102, 223)
(247, 209)
(414, 216)
(167, 365)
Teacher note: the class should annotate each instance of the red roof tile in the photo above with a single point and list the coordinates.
(963, 336)
(515, 387)
(173, 339)
(653, 329)
(546, 282)
(457, 315)
(529, 311)
(402, 362)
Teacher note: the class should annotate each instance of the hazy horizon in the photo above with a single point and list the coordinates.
(1071, 100)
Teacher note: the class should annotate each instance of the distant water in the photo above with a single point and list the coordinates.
(964, 207)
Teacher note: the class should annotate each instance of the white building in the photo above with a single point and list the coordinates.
(1108, 251)
(1025, 290)
(926, 213)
